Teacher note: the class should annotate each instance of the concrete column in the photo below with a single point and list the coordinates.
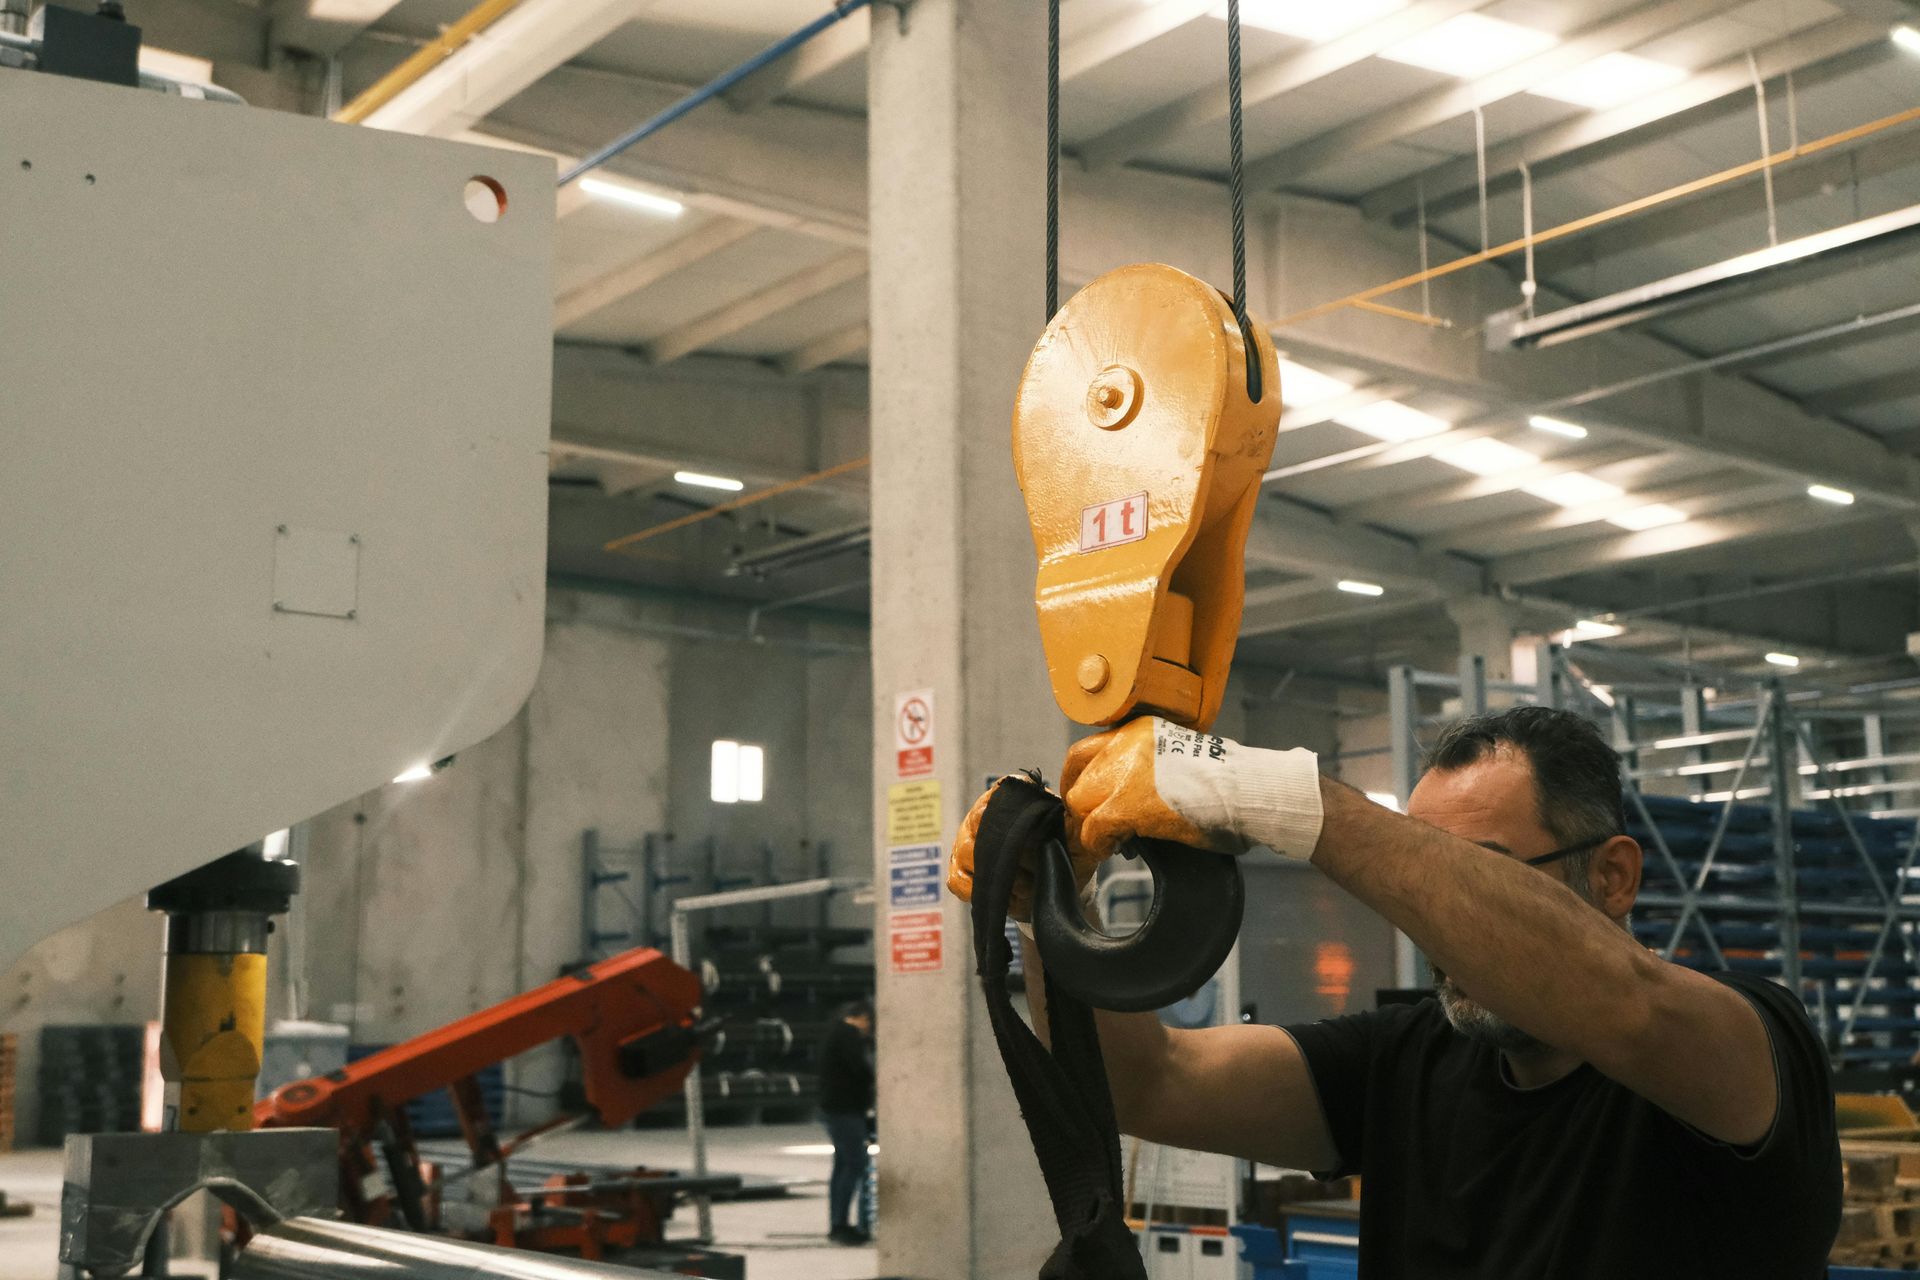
(1488, 627)
(956, 181)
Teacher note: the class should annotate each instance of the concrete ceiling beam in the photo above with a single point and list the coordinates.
(724, 322)
(1453, 183)
(632, 276)
(1404, 119)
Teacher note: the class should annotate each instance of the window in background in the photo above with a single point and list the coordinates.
(739, 772)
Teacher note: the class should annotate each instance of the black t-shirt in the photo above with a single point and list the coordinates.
(846, 1071)
(1466, 1175)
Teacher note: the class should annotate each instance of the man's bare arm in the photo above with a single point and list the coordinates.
(1525, 946)
(1239, 1090)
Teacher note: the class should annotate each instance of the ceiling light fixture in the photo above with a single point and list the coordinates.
(1303, 386)
(1594, 629)
(1783, 659)
(1487, 457)
(1469, 45)
(175, 66)
(1309, 19)
(702, 481)
(621, 193)
(1354, 587)
(1654, 515)
(419, 773)
(1610, 80)
(1827, 493)
(1391, 420)
(1574, 489)
(1385, 799)
(1907, 38)
(1557, 427)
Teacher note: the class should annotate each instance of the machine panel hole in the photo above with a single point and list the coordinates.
(486, 199)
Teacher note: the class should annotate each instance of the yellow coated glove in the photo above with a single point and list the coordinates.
(1020, 903)
(1152, 778)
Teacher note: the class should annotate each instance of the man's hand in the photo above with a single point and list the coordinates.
(1020, 904)
(1152, 778)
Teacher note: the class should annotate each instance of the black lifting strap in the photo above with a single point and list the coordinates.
(1063, 1094)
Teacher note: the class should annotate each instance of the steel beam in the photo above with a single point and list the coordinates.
(826, 350)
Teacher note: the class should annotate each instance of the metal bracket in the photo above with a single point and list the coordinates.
(118, 1186)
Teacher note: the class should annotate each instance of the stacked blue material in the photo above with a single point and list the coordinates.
(1740, 902)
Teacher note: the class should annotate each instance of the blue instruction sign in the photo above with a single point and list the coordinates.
(913, 876)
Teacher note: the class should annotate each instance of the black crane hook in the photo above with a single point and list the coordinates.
(1198, 899)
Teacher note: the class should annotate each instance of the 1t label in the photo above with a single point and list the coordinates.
(1109, 524)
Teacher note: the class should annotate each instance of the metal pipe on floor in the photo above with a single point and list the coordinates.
(317, 1249)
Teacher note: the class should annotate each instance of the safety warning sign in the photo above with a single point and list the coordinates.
(913, 813)
(913, 876)
(913, 733)
(913, 941)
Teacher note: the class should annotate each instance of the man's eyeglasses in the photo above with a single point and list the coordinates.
(1567, 852)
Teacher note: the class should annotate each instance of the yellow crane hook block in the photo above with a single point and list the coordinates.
(1140, 455)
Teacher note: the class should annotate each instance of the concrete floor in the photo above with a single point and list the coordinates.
(783, 1239)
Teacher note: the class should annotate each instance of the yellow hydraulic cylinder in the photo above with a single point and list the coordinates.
(214, 1016)
(215, 1019)
(1140, 453)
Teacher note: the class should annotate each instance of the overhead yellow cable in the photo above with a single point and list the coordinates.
(1804, 149)
(424, 59)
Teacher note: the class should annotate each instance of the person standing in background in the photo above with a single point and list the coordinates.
(846, 1096)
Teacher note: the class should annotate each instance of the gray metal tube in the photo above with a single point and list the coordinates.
(695, 1093)
(317, 1249)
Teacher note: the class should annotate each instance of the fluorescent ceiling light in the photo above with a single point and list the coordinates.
(1827, 493)
(1574, 489)
(1391, 420)
(724, 775)
(1487, 457)
(1301, 386)
(1469, 45)
(418, 773)
(1783, 659)
(1907, 38)
(1557, 427)
(1310, 19)
(1651, 516)
(175, 66)
(702, 481)
(1594, 629)
(1609, 80)
(274, 847)
(1353, 587)
(808, 1149)
(1385, 799)
(1603, 693)
(621, 193)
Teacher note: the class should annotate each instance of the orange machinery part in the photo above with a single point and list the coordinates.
(604, 1007)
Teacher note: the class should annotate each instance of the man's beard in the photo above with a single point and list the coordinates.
(1478, 1023)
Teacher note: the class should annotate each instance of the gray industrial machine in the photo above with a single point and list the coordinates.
(274, 395)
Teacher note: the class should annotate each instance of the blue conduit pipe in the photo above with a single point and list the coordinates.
(714, 88)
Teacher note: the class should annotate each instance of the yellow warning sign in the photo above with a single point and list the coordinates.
(913, 813)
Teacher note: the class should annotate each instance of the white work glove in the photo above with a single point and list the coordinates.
(1152, 778)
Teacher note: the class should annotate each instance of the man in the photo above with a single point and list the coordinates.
(1570, 1107)
(846, 1096)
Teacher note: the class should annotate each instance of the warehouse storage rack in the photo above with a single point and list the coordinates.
(1764, 852)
